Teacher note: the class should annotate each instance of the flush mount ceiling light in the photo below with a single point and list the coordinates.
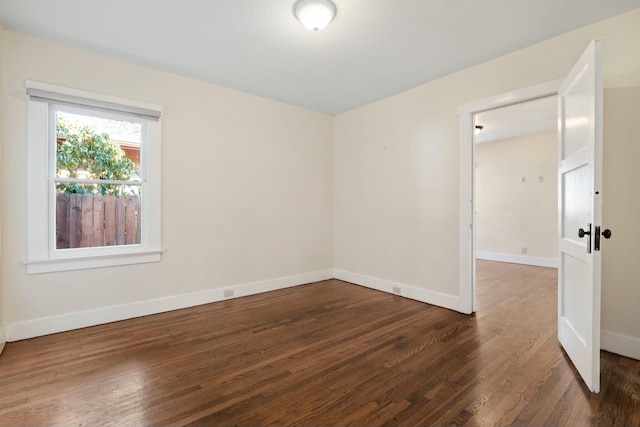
(314, 14)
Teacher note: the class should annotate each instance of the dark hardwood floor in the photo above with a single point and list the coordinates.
(323, 354)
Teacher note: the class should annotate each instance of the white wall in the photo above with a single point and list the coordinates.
(2, 320)
(621, 210)
(247, 194)
(396, 173)
(512, 213)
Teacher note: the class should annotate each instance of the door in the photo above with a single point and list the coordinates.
(580, 212)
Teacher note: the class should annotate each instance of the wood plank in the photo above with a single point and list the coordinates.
(120, 221)
(98, 220)
(86, 221)
(109, 220)
(131, 229)
(62, 221)
(138, 204)
(328, 353)
(75, 220)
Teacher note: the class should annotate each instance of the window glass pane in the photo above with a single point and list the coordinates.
(94, 215)
(89, 147)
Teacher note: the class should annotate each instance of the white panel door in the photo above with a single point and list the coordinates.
(580, 208)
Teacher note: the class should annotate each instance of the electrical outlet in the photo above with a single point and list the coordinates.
(227, 293)
(524, 250)
(541, 178)
(397, 290)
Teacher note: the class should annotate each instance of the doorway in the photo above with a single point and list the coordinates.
(516, 203)
(467, 114)
(516, 186)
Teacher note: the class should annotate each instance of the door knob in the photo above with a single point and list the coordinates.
(606, 234)
(582, 233)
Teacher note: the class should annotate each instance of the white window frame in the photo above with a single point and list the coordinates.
(42, 255)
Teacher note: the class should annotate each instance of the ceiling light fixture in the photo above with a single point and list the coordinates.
(314, 14)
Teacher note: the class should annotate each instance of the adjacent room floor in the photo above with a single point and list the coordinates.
(328, 353)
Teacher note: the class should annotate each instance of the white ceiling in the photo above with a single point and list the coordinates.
(516, 121)
(372, 49)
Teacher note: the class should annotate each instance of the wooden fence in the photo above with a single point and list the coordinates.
(88, 220)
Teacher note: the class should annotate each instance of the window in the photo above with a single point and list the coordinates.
(97, 183)
(93, 180)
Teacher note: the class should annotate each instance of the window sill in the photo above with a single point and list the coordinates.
(51, 265)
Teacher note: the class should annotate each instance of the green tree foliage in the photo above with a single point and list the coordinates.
(83, 153)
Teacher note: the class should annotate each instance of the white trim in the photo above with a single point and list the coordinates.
(96, 181)
(466, 247)
(451, 302)
(518, 259)
(467, 285)
(3, 337)
(66, 322)
(50, 265)
(517, 96)
(42, 255)
(54, 93)
(620, 344)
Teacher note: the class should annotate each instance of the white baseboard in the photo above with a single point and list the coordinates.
(66, 322)
(3, 337)
(518, 259)
(620, 344)
(423, 295)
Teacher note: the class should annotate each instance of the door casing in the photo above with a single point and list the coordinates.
(467, 257)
